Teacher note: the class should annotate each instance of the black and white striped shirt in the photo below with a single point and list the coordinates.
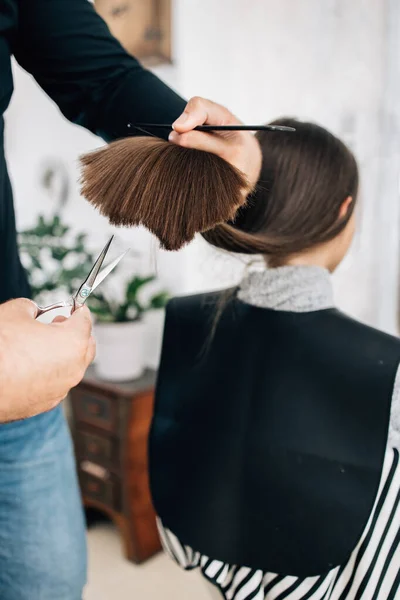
(372, 573)
(373, 569)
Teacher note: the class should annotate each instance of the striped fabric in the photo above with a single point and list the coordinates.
(372, 572)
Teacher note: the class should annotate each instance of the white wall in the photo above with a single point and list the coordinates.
(325, 61)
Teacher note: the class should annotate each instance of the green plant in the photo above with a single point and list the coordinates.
(131, 307)
(158, 301)
(54, 257)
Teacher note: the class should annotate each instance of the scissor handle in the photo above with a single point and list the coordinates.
(73, 303)
(42, 310)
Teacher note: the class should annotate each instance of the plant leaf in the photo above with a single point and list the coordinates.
(134, 285)
(159, 300)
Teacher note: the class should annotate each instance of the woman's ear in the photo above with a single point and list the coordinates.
(345, 207)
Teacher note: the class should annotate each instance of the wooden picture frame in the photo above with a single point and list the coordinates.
(143, 27)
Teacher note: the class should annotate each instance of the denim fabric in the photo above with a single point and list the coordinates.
(42, 531)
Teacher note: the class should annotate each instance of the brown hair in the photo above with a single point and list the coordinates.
(305, 178)
(175, 192)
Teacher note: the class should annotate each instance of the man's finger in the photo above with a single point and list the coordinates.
(24, 308)
(200, 111)
(200, 141)
(59, 319)
(195, 113)
(80, 320)
(90, 352)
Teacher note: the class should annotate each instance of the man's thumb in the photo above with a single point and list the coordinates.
(80, 320)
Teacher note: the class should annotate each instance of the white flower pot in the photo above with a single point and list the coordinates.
(154, 321)
(120, 350)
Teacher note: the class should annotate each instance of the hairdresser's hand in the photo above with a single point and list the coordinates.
(240, 148)
(40, 363)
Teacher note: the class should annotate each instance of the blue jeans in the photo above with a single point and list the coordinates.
(42, 531)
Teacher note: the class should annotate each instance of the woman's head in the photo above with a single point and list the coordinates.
(302, 209)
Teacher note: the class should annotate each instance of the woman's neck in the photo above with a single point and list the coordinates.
(311, 258)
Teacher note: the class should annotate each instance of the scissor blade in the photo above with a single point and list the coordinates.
(107, 270)
(91, 278)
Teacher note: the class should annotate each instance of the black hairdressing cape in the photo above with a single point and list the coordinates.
(267, 445)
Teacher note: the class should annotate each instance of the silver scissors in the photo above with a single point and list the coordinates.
(95, 277)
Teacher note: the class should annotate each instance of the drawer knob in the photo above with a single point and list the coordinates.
(93, 486)
(93, 448)
(96, 470)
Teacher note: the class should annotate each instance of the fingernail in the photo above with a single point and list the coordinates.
(181, 120)
(173, 136)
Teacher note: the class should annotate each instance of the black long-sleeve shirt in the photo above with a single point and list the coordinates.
(70, 52)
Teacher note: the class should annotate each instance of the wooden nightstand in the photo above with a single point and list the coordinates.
(110, 427)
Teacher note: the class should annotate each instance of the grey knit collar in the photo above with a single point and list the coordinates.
(291, 288)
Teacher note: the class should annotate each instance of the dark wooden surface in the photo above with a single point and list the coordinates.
(110, 426)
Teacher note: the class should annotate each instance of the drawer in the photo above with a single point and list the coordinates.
(103, 450)
(96, 409)
(106, 492)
